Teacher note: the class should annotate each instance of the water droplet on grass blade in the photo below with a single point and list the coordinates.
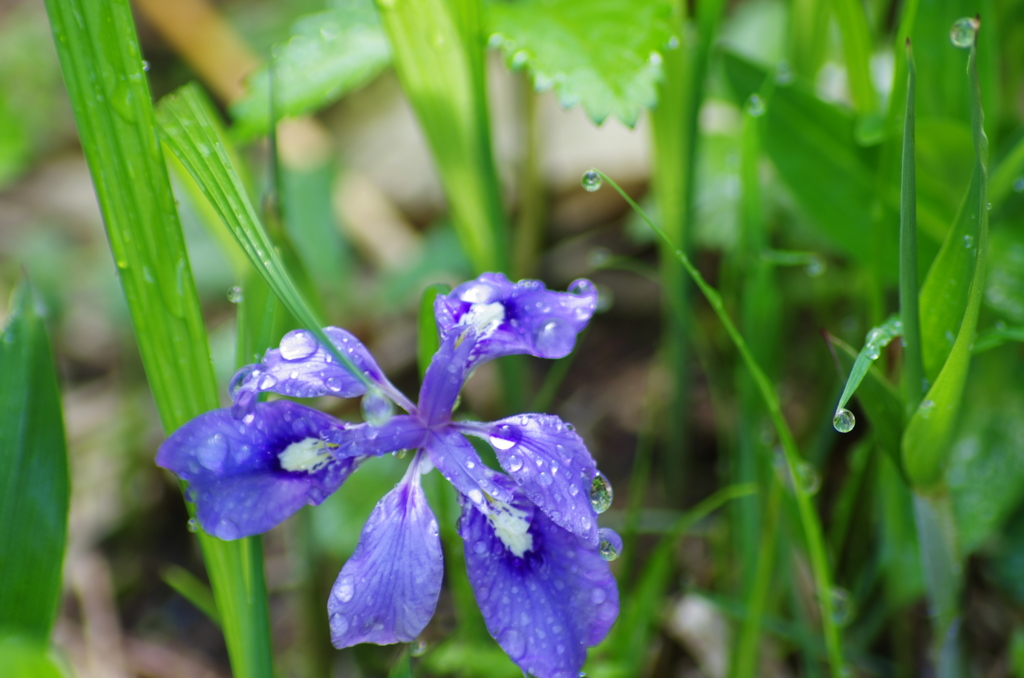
(755, 106)
(600, 493)
(611, 544)
(591, 180)
(968, 241)
(235, 295)
(842, 606)
(844, 421)
(192, 525)
(808, 478)
(963, 32)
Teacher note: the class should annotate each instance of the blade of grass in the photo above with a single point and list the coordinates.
(103, 71)
(34, 489)
(913, 365)
(192, 590)
(808, 518)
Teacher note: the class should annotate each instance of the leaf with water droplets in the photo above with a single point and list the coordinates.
(326, 56)
(580, 49)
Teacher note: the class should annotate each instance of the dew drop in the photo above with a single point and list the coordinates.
(339, 624)
(514, 463)
(554, 339)
(192, 525)
(927, 407)
(611, 544)
(479, 548)
(808, 478)
(267, 382)
(145, 65)
(345, 589)
(235, 295)
(600, 493)
(512, 642)
(298, 345)
(1018, 185)
(212, 454)
(755, 106)
(591, 180)
(598, 596)
(816, 266)
(417, 648)
(504, 438)
(842, 606)
(844, 421)
(963, 32)
(377, 408)
(968, 241)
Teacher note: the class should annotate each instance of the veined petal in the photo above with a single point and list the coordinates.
(445, 376)
(549, 461)
(459, 463)
(387, 591)
(545, 594)
(303, 368)
(248, 475)
(523, 317)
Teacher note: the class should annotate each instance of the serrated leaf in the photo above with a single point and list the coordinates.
(580, 48)
(813, 145)
(329, 55)
(34, 487)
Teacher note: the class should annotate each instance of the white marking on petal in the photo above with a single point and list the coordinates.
(484, 317)
(309, 455)
(512, 528)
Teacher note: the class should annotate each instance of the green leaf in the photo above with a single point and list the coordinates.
(28, 658)
(580, 49)
(813, 146)
(34, 487)
(1004, 286)
(427, 338)
(192, 590)
(328, 55)
(950, 301)
(103, 71)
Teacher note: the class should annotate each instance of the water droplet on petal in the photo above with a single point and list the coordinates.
(598, 596)
(235, 295)
(512, 642)
(611, 544)
(600, 493)
(267, 382)
(211, 455)
(504, 437)
(591, 180)
(345, 589)
(339, 624)
(514, 463)
(377, 408)
(844, 421)
(479, 548)
(963, 32)
(298, 345)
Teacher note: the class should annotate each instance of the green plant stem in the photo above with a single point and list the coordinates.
(943, 574)
(913, 364)
(808, 518)
(530, 224)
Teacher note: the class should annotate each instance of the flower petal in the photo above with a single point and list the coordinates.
(523, 317)
(459, 463)
(445, 376)
(238, 470)
(387, 591)
(550, 463)
(547, 605)
(303, 368)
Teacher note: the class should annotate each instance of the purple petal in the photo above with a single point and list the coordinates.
(523, 317)
(237, 470)
(303, 368)
(387, 591)
(459, 463)
(445, 376)
(548, 603)
(549, 462)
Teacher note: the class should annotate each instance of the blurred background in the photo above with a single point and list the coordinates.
(369, 223)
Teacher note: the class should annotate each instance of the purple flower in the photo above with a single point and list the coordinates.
(534, 554)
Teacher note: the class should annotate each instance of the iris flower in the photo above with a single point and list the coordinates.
(535, 556)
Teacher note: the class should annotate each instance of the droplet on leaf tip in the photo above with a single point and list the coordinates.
(963, 32)
(591, 180)
(844, 421)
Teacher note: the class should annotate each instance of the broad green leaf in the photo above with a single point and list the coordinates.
(34, 488)
(328, 55)
(813, 146)
(579, 48)
(986, 469)
(28, 658)
(103, 71)
(950, 301)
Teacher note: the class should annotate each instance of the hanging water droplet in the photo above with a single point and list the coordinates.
(816, 266)
(344, 589)
(872, 351)
(927, 407)
(600, 493)
(192, 525)
(235, 295)
(842, 606)
(298, 345)
(377, 408)
(611, 544)
(554, 339)
(755, 106)
(417, 648)
(808, 478)
(963, 32)
(1018, 185)
(844, 421)
(145, 65)
(591, 180)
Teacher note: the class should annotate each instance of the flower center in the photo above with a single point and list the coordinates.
(309, 455)
(512, 528)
